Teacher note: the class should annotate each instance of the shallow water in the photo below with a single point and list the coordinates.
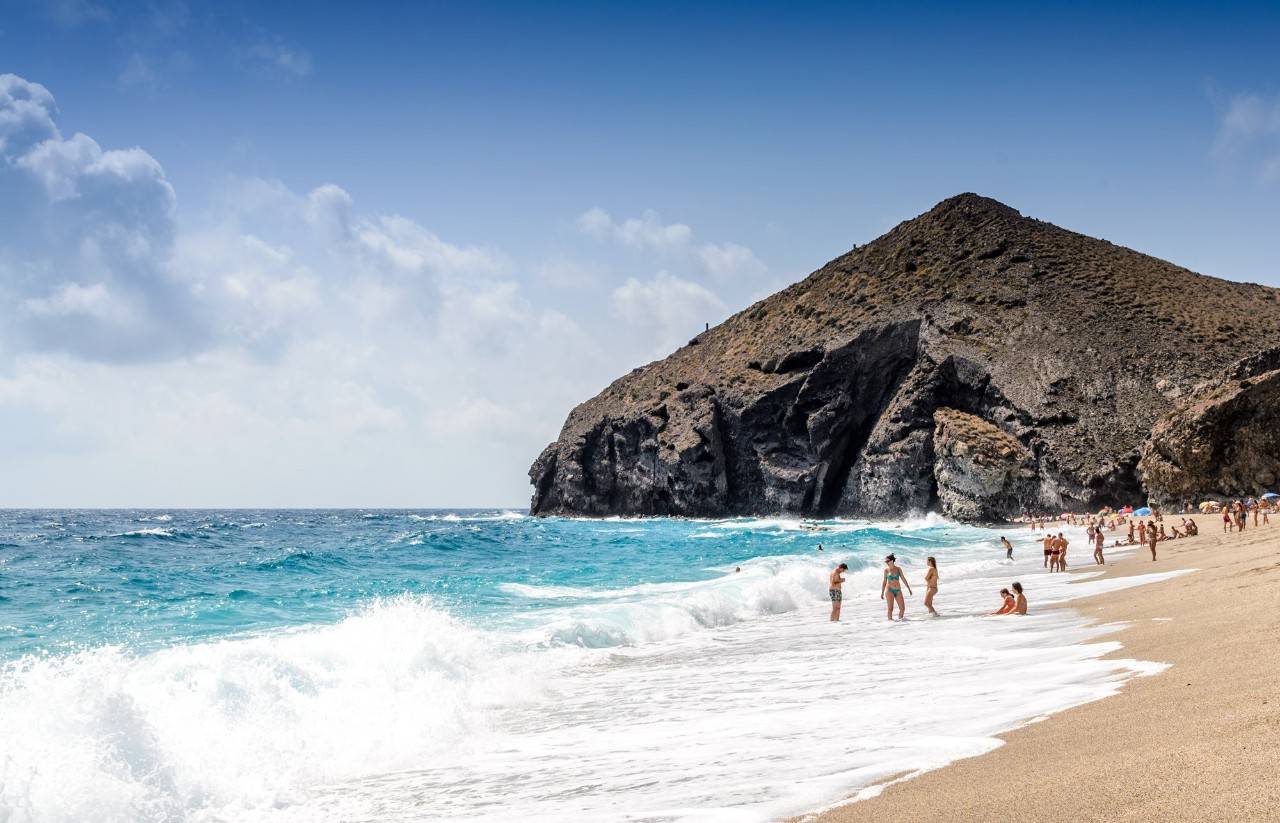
(349, 665)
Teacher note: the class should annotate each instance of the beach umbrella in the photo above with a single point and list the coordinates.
(1142, 512)
(1270, 496)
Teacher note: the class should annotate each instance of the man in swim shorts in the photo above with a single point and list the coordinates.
(835, 592)
(1048, 549)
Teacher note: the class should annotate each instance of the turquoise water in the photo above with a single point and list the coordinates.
(140, 579)
(483, 665)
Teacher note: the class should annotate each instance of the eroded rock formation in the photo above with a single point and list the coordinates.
(971, 360)
(1224, 444)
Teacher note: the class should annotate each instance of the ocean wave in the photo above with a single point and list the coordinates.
(653, 612)
(215, 730)
(150, 532)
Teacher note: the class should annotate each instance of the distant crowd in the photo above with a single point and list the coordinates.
(1146, 527)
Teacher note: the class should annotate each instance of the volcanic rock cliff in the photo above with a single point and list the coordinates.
(972, 361)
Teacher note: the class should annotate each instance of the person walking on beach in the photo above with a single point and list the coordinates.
(1142, 532)
(1008, 547)
(1098, 540)
(892, 582)
(1130, 532)
(1007, 603)
(931, 584)
(836, 592)
(1153, 537)
(1020, 605)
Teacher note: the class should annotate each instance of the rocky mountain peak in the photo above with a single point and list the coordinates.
(822, 398)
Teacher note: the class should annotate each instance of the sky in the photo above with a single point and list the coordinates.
(287, 255)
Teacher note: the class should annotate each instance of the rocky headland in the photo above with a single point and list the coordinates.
(971, 361)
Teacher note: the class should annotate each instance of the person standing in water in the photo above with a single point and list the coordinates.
(1098, 540)
(836, 592)
(1007, 603)
(1048, 552)
(1008, 547)
(1062, 552)
(931, 584)
(892, 582)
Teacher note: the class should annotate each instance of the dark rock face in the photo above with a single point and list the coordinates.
(972, 361)
(1226, 444)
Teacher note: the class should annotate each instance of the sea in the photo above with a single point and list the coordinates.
(371, 665)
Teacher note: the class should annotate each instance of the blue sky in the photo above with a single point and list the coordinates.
(338, 255)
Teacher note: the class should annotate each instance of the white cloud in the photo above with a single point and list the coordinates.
(673, 240)
(1249, 132)
(646, 231)
(668, 309)
(728, 259)
(279, 347)
(26, 115)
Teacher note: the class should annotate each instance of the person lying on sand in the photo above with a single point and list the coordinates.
(1008, 604)
(1020, 607)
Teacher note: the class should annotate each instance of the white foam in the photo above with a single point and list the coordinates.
(152, 532)
(730, 699)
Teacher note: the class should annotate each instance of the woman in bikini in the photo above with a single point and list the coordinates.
(930, 585)
(1008, 603)
(894, 580)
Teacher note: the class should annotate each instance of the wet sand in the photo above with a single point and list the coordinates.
(1200, 741)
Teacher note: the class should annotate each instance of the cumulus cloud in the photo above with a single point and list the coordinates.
(1249, 131)
(275, 343)
(668, 309)
(85, 239)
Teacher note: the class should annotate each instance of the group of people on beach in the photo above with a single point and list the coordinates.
(894, 580)
(1149, 532)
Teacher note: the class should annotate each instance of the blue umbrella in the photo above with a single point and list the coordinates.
(1270, 496)
(1142, 512)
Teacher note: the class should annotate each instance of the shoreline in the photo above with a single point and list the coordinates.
(1193, 742)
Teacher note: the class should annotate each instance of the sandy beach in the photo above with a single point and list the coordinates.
(1200, 741)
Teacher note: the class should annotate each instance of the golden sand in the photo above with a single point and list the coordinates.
(1199, 742)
